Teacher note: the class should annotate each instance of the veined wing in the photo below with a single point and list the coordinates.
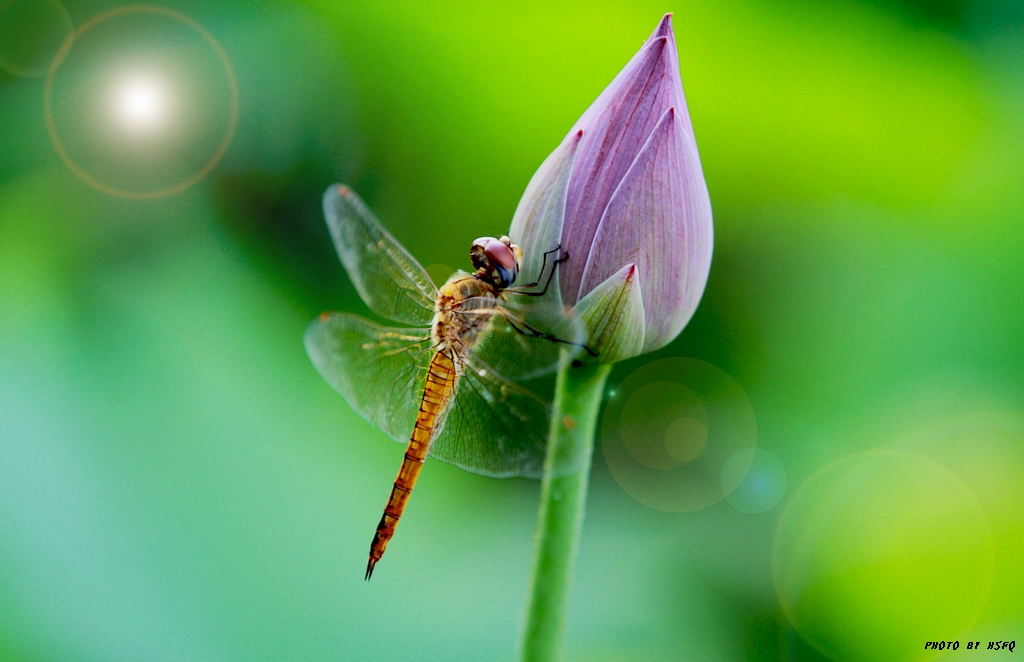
(387, 277)
(380, 371)
(523, 341)
(520, 342)
(492, 427)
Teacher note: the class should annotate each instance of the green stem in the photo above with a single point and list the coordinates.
(563, 500)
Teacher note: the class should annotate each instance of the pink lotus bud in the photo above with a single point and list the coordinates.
(625, 189)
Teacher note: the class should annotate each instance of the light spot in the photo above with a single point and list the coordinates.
(144, 105)
(877, 551)
(32, 33)
(753, 480)
(686, 439)
(671, 427)
(141, 103)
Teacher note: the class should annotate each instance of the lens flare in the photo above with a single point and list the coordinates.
(669, 430)
(878, 550)
(31, 34)
(754, 480)
(141, 104)
(159, 127)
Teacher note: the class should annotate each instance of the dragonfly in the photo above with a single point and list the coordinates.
(443, 381)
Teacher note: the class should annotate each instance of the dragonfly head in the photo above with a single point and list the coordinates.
(496, 260)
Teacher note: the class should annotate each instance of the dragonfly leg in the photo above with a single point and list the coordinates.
(540, 276)
(525, 329)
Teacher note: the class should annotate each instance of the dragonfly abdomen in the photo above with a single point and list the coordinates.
(440, 385)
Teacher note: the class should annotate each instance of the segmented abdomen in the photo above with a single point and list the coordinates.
(441, 379)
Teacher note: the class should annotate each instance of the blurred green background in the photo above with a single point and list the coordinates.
(177, 482)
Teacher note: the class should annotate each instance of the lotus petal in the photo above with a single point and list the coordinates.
(616, 126)
(659, 219)
(537, 223)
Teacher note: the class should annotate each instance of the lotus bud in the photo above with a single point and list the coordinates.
(625, 197)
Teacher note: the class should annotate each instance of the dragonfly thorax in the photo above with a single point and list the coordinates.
(461, 311)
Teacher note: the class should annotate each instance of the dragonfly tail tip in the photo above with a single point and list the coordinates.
(369, 568)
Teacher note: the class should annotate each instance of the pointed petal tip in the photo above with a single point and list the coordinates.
(652, 51)
(613, 315)
(654, 45)
(664, 28)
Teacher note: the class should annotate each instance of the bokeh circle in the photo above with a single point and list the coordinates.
(753, 480)
(669, 429)
(35, 36)
(205, 153)
(879, 552)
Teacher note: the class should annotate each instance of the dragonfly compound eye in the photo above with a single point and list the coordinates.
(497, 258)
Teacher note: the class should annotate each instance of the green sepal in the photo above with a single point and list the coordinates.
(613, 316)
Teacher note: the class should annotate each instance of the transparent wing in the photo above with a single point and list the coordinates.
(494, 427)
(523, 341)
(387, 277)
(380, 371)
(519, 341)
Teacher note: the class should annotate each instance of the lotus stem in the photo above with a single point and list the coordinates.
(563, 500)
